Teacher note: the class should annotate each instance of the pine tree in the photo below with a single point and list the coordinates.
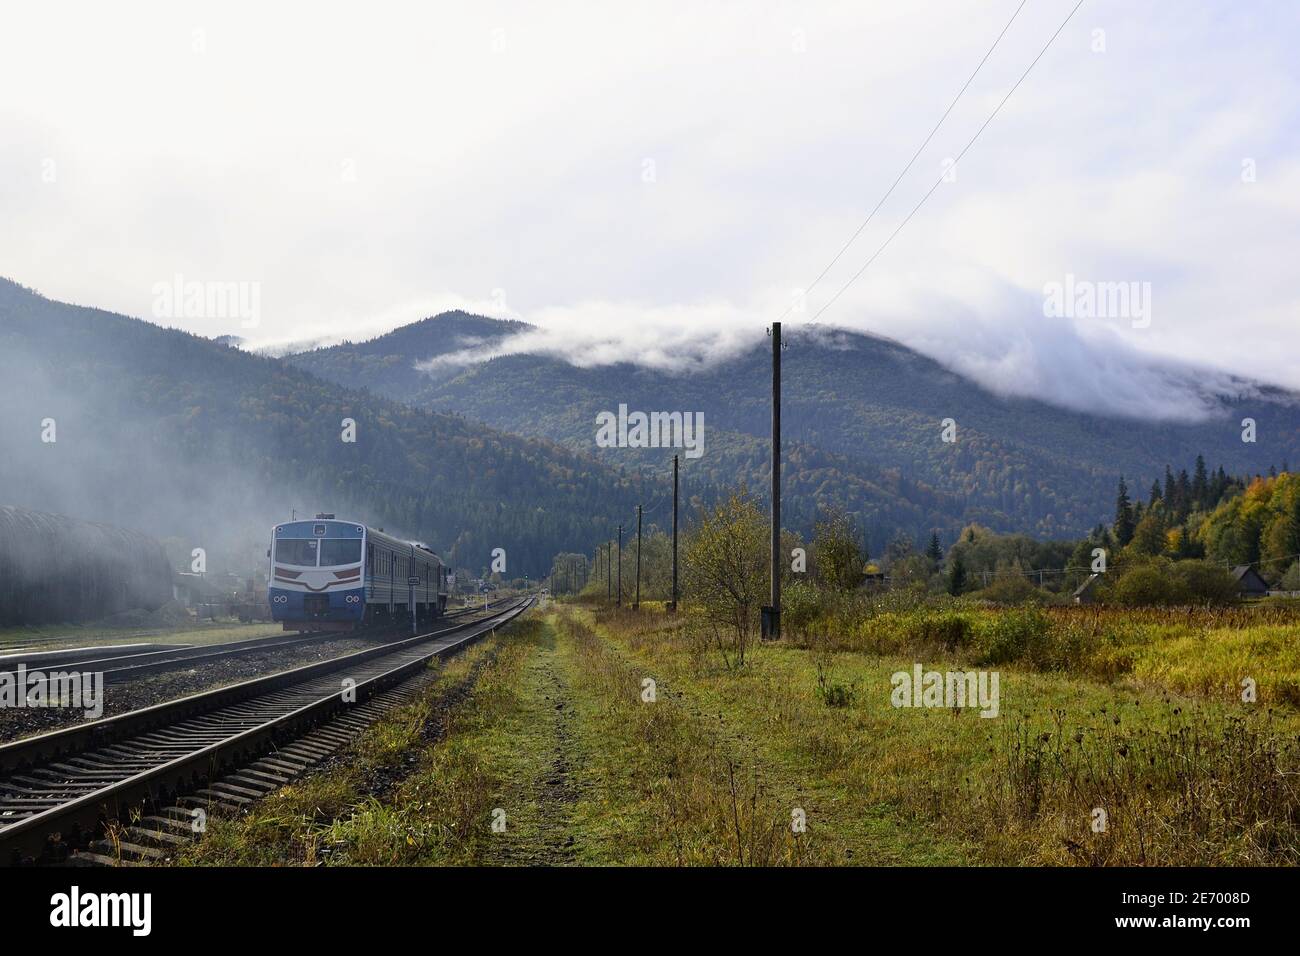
(1124, 522)
(1200, 485)
(934, 551)
(1155, 494)
(1184, 495)
(956, 575)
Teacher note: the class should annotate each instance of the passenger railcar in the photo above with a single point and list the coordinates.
(329, 574)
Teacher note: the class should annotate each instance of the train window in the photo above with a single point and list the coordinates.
(340, 551)
(296, 551)
(370, 558)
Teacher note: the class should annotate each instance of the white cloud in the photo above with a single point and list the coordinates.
(370, 167)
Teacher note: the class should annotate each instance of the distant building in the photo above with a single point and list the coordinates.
(1086, 593)
(1249, 583)
(192, 590)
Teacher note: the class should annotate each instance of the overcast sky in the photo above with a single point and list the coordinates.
(653, 181)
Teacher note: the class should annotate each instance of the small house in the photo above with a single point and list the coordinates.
(1249, 583)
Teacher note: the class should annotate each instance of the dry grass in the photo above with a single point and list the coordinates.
(1181, 781)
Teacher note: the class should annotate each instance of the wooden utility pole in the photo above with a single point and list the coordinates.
(609, 570)
(672, 605)
(772, 630)
(620, 567)
(636, 605)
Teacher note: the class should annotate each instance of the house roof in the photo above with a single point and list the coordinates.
(1245, 574)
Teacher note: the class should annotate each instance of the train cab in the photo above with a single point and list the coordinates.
(317, 574)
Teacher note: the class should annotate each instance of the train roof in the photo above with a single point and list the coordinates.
(305, 528)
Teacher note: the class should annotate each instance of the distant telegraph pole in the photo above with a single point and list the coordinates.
(672, 605)
(773, 628)
(609, 570)
(619, 600)
(636, 605)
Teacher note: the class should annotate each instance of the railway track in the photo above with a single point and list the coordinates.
(125, 664)
(61, 788)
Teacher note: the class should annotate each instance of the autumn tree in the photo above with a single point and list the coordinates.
(726, 572)
(837, 556)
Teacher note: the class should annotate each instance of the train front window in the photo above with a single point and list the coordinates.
(340, 551)
(296, 551)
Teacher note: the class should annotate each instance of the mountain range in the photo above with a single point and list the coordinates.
(111, 418)
(863, 425)
(117, 420)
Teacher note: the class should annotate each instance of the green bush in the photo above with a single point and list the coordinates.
(947, 629)
(833, 693)
(800, 608)
(1205, 583)
(1020, 634)
(1161, 582)
(1147, 585)
(1011, 589)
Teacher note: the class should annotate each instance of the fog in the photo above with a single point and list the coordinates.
(106, 466)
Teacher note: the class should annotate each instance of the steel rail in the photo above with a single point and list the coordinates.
(69, 781)
(129, 666)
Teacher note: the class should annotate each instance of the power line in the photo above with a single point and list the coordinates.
(971, 143)
(919, 149)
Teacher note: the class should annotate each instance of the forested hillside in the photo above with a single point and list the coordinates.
(863, 427)
(115, 419)
(1259, 526)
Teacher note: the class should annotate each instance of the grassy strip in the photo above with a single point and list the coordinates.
(669, 782)
(333, 815)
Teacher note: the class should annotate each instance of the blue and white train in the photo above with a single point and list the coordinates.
(333, 575)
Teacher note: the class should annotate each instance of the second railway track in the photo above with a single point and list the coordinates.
(123, 664)
(65, 785)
